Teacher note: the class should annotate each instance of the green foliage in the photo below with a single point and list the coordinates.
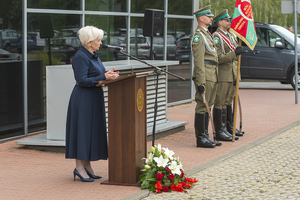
(267, 11)
(42, 55)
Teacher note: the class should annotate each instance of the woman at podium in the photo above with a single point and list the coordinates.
(86, 137)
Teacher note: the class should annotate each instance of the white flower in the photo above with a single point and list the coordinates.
(146, 160)
(175, 169)
(180, 166)
(150, 157)
(159, 148)
(169, 153)
(161, 162)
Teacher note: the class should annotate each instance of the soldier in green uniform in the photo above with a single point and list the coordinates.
(227, 54)
(232, 96)
(204, 75)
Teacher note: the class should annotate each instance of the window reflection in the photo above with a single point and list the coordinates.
(177, 7)
(139, 6)
(54, 4)
(100, 5)
(180, 30)
(11, 99)
(115, 32)
(64, 43)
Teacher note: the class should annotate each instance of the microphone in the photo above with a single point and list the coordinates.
(105, 46)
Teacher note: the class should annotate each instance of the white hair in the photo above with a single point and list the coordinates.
(89, 33)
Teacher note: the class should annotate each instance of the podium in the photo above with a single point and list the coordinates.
(127, 129)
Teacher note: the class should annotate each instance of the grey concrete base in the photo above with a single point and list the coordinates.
(145, 192)
(170, 127)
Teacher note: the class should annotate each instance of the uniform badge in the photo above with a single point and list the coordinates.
(196, 38)
(217, 40)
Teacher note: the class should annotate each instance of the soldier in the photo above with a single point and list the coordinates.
(227, 54)
(204, 75)
(232, 95)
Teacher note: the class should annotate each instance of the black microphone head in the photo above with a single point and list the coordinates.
(105, 46)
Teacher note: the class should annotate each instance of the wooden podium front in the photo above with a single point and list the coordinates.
(127, 129)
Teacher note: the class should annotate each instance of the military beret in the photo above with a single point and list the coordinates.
(204, 11)
(222, 15)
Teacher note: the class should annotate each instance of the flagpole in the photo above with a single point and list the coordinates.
(236, 92)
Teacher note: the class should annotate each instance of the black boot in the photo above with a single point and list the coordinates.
(206, 131)
(224, 117)
(220, 134)
(229, 122)
(200, 132)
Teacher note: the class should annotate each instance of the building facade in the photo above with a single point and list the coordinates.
(50, 28)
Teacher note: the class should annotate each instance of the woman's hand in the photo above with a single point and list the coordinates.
(111, 74)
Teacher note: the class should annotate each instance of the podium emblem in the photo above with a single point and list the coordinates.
(140, 100)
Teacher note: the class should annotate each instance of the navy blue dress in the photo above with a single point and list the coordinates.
(86, 137)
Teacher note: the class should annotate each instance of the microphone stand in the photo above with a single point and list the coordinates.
(158, 72)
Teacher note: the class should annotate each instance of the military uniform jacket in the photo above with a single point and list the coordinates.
(226, 56)
(203, 49)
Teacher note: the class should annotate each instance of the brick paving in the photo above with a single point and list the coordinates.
(33, 174)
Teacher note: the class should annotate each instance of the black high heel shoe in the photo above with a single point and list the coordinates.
(76, 173)
(92, 176)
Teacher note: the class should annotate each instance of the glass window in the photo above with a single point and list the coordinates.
(179, 7)
(100, 5)
(179, 30)
(62, 49)
(54, 4)
(115, 32)
(262, 40)
(139, 6)
(289, 46)
(11, 85)
(272, 38)
(57, 50)
(139, 44)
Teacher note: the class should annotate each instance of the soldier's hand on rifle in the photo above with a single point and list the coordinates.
(201, 88)
(238, 51)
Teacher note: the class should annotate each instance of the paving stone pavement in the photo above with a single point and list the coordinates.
(270, 170)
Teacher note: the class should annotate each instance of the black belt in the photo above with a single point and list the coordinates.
(209, 62)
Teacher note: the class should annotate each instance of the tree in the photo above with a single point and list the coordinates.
(266, 11)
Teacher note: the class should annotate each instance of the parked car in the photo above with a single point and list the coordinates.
(158, 47)
(61, 50)
(73, 42)
(273, 56)
(183, 49)
(8, 39)
(143, 47)
(31, 42)
(5, 55)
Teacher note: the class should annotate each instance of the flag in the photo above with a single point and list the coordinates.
(242, 23)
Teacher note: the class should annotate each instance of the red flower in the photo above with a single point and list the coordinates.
(182, 174)
(183, 184)
(171, 177)
(158, 186)
(180, 187)
(159, 176)
(173, 187)
(190, 180)
(165, 188)
(168, 170)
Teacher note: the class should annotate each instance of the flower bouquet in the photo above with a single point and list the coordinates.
(163, 172)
